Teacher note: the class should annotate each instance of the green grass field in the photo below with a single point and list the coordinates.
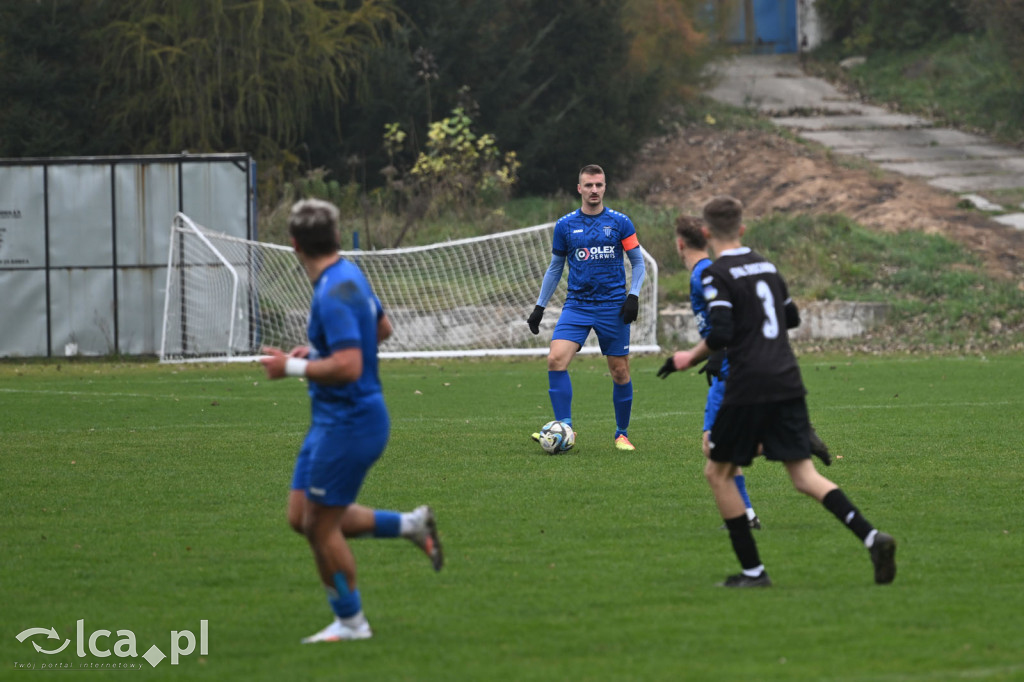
(147, 498)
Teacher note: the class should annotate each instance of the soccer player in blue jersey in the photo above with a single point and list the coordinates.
(350, 422)
(594, 240)
(749, 313)
(692, 247)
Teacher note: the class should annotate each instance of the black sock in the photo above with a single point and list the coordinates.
(837, 503)
(743, 542)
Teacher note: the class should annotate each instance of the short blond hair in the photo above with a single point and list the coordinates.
(313, 223)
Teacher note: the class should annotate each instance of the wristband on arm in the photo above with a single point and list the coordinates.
(295, 367)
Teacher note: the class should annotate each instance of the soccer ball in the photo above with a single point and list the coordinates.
(557, 437)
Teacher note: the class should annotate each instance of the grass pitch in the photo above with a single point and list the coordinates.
(148, 498)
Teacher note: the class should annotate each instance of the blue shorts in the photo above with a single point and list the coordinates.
(716, 392)
(339, 450)
(576, 321)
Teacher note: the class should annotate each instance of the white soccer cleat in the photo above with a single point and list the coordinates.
(338, 631)
(425, 536)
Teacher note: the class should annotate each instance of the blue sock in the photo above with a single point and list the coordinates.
(741, 485)
(344, 603)
(560, 391)
(386, 524)
(622, 397)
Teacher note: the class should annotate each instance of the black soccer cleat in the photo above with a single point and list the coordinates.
(744, 580)
(883, 556)
(819, 449)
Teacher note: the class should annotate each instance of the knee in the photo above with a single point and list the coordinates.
(813, 485)
(558, 362)
(296, 512)
(309, 526)
(619, 369)
(816, 489)
(295, 521)
(801, 486)
(715, 474)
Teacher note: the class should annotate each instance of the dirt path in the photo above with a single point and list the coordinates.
(771, 173)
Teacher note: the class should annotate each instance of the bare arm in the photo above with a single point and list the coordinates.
(384, 329)
(340, 367)
(685, 359)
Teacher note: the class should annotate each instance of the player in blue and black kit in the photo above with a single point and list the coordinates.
(692, 246)
(593, 239)
(350, 422)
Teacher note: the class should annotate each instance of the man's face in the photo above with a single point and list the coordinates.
(591, 188)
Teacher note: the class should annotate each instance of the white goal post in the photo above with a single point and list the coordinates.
(227, 297)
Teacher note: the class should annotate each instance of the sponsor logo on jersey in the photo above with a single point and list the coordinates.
(595, 252)
(579, 231)
(710, 293)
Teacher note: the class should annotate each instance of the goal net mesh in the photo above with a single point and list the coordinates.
(227, 297)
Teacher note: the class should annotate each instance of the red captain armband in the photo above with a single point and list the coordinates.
(630, 242)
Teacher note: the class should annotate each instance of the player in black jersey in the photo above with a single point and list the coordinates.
(749, 312)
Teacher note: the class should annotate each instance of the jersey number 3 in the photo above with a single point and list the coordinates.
(770, 328)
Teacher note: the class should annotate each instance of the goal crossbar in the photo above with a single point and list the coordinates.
(228, 297)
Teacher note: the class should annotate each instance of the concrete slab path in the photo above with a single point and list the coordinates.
(777, 86)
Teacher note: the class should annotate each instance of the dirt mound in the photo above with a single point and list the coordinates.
(771, 173)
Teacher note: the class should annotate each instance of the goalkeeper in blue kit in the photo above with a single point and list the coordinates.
(595, 241)
(350, 423)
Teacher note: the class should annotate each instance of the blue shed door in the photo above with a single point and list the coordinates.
(774, 24)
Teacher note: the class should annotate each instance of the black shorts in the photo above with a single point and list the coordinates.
(782, 427)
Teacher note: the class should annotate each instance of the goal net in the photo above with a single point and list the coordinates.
(227, 297)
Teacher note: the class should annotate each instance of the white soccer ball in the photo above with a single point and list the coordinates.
(557, 437)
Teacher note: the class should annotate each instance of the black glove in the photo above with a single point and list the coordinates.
(630, 308)
(534, 319)
(713, 367)
(667, 368)
(819, 449)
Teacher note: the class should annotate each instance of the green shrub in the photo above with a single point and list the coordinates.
(881, 24)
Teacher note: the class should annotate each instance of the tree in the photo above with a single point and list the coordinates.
(221, 75)
(561, 84)
(48, 80)
(882, 25)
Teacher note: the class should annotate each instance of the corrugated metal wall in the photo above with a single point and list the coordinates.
(84, 243)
